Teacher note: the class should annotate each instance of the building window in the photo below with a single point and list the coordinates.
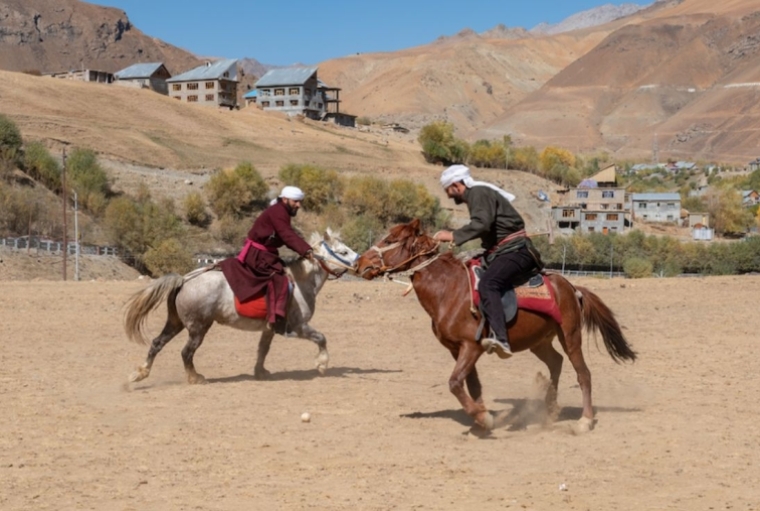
(279, 92)
(266, 92)
(604, 206)
(591, 228)
(294, 91)
(319, 105)
(192, 99)
(614, 228)
(177, 97)
(671, 205)
(612, 217)
(642, 205)
(226, 74)
(590, 216)
(293, 102)
(670, 218)
(176, 86)
(192, 86)
(609, 194)
(209, 97)
(265, 103)
(209, 85)
(279, 103)
(568, 213)
(581, 194)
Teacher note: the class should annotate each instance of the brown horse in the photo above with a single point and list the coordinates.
(442, 286)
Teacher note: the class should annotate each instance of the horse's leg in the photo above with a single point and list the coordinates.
(172, 327)
(306, 331)
(553, 360)
(197, 333)
(469, 353)
(259, 373)
(571, 341)
(472, 380)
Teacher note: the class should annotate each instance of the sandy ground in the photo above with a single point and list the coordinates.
(677, 430)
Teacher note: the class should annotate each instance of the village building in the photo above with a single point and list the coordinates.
(656, 207)
(298, 91)
(750, 198)
(592, 209)
(250, 97)
(85, 75)
(151, 76)
(214, 84)
(754, 165)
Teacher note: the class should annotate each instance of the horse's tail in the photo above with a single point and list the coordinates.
(598, 317)
(147, 300)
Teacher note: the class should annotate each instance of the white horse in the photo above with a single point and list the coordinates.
(196, 300)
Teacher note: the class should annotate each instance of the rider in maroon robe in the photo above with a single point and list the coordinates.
(258, 267)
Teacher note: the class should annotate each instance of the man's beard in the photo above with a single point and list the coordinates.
(291, 211)
(458, 200)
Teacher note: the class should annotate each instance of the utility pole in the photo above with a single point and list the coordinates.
(76, 237)
(655, 150)
(611, 248)
(65, 198)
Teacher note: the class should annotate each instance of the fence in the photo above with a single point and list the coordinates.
(56, 247)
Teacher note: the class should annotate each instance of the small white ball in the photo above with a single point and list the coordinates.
(305, 417)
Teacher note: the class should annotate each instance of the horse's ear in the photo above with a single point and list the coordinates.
(328, 234)
(415, 224)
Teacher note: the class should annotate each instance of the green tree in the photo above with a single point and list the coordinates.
(439, 144)
(40, 164)
(10, 139)
(85, 176)
(236, 192)
(321, 187)
(168, 256)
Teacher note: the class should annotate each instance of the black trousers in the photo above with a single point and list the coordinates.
(498, 278)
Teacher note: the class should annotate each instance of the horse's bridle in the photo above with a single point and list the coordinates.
(321, 260)
(386, 270)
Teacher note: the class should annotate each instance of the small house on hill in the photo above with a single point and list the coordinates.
(606, 178)
(656, 207)
(750, 198)
(298, 91)
(214, 84)
(85, 75)
(150, 76)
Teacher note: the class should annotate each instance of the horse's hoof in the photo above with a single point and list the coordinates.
(486, 421)
(261, 374)
(584, 425)
(138, 375)
(322, 369)
(196, 379)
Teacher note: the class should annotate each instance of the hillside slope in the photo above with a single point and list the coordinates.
(57, 36)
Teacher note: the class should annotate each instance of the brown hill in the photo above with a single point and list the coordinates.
(685, 74)
(59, 36)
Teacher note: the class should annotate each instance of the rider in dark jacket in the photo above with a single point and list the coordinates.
(501, 230)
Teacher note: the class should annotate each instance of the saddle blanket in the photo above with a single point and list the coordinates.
(256, 307)
(536, 295)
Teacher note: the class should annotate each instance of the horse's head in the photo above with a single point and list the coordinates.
(332, 254)
(404, 245)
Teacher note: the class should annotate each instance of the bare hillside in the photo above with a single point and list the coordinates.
(685, 74)
(69, 34)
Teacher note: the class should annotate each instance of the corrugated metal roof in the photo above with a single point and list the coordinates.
(211, 71)
(138, 71)
(251, 94)
(286, 76)
(655, 196)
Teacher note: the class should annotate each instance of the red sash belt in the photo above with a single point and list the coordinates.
(250, 243)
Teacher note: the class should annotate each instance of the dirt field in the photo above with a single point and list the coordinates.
(677, 430)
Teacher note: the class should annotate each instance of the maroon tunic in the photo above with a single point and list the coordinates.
(263, 270)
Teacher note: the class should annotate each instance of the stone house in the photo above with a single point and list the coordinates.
(656, 207)
(85, 75)
(298, 91)
(592, 210)
(750, 198)
(213, 84)
(150, 76)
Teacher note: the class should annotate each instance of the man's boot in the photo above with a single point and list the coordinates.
(501, 348)
(281, 326)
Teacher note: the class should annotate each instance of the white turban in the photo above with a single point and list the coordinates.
(456, 173)
(292, 193)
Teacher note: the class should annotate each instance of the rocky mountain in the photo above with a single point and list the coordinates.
(590, 18)
(47, 37)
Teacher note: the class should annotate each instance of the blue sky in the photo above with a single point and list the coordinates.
(286, 32)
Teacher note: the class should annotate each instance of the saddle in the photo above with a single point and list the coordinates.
(535, 294)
